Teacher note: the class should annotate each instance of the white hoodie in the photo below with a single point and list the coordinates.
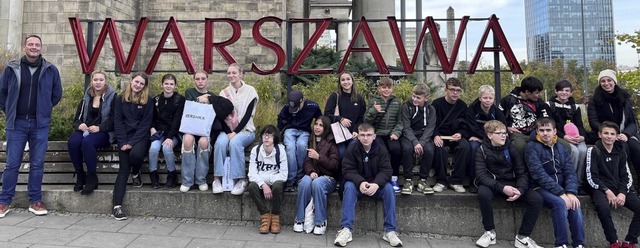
(266, 170)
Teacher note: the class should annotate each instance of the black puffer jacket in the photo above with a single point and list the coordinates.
(495, 170)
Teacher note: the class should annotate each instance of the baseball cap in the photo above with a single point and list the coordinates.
(295, 101)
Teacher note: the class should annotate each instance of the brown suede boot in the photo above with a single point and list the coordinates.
(275, 224)
(265, 223)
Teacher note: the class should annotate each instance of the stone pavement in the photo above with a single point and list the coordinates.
(22, 229)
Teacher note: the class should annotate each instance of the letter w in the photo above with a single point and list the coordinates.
(109, 27)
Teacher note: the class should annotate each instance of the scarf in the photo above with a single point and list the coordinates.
(36, 63)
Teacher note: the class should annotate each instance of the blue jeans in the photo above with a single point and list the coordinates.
(192, 167)
(559, 215)
(169, 156)
(295, 140)
(235, 150)
(319, 189)
(25, 130)
(350, 198)
(84, 149)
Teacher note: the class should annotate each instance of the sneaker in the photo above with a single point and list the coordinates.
(457, 188)
(562, 246)
(137, 180)
(392, 238)
(238, 189)
(423, 187)
(216, 187)
(473, 189)
(343, 237)
(525, 242)
(298, 226)
(203, 187)
(407, 188)
(38, 209)
(4, 209)
(289, 188)
(118, 214)
(438, 187)
(580, 246)
(184, 189)
(627, 244)
(320, 229)
(487, 239)
(394, 183)
(616, 244)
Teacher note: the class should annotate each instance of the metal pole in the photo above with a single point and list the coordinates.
(420, 62)
(289, 53)
(87, 77)
(584, 52)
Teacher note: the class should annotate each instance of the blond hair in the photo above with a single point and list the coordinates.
(92, 92)
(143, 96)
(493, 125)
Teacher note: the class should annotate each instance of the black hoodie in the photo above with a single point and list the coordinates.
(608, 170)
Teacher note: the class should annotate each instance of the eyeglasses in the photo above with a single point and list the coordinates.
(267, 135)
(503, 134)
(455, 90)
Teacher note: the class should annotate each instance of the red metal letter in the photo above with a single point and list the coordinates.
(257, 36)
(108, 27)
(324, 24)
(219, 46)
(503, 46)
(172, 27)
(373, 47)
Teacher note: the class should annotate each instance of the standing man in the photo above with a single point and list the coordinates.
(29, 88)
(367, 171)
(294, 121)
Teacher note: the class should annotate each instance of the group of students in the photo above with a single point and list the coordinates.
(510, 150)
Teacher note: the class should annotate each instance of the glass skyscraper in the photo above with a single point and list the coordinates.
(554, 30)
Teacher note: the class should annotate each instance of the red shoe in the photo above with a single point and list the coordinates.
(38, 209)
(4, 209)
(628, 245)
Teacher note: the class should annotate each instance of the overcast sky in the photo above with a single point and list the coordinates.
(512, 21)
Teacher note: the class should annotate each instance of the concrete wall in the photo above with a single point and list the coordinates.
(10, 23)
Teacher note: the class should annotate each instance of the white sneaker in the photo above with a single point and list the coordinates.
(487, 239)
(184, 189)
(392, 238)
(457, 188)
(343, 237)
(526, 242)
(320, 229)
(203, 187)
(562, 246)
(239, 188)
(438, 187)
(216, 187)
(298, 226)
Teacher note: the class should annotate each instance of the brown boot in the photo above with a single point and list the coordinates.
(275, 224)
(265, 223)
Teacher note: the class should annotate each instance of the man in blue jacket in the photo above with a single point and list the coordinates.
(554, 177)
(29, 88)
(294, 121)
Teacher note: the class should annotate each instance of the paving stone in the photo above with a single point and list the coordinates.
(160, 241)
(50, 221)
(13, 245)
(14, 217)
(149, 227)
(451, 243)
(288, 236)
(99, 224)
(271, 244)
(213, 243)
(104, 239)
(246, 233)
(49, 236)
(7, 233)
(195, 230)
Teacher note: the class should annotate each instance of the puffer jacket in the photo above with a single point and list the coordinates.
(328, 164)
(600, 110)
(476, 118)
(388, 122)
(107, 104)
(551, 167)
(495, 170)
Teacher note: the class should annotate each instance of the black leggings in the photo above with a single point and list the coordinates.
(130, 162)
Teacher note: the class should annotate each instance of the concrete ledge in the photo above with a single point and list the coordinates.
(446, 213)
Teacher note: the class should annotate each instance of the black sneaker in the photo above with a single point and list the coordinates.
(118, 214)
(289, 188)
(137, 180)
(473, 189)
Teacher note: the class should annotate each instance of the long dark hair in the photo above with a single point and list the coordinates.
(326, 124)
(354, 93)
(620, 94)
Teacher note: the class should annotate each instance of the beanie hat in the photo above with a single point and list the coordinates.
(608, 73)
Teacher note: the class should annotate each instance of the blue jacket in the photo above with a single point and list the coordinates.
(551, 168)
(49, 92)
(301, 120)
